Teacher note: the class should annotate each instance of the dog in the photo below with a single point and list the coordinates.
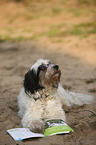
(43, 97)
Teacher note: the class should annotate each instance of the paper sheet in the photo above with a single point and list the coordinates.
(23, 133)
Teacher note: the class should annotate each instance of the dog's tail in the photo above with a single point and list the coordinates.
(72, 98)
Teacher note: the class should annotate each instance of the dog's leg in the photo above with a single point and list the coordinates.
(54, 110)
(72, 98)
(33, 125)
(32, 120)
(22, 102)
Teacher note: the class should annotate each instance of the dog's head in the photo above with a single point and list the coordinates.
(41, 75)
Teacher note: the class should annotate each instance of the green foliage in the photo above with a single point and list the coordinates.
(37, 12)
(86, 2)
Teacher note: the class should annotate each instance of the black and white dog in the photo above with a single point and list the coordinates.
(42, 96)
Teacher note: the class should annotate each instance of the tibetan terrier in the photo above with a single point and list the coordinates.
(42, 96)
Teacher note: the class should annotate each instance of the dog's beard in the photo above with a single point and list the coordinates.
(55, 78)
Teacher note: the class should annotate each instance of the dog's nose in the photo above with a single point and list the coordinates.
(56, 67)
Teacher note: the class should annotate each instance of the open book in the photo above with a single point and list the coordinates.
(52, 127)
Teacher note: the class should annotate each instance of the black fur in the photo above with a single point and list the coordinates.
(31, 81)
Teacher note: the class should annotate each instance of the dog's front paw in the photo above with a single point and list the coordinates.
(37, 126)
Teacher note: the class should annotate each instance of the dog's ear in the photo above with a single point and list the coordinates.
(31, 81)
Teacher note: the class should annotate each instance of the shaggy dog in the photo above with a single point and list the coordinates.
(42, 96)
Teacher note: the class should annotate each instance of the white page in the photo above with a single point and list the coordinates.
(23, 133)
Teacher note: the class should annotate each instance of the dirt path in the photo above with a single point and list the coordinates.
(78, 74)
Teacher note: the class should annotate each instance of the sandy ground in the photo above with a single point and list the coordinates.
(78, 74)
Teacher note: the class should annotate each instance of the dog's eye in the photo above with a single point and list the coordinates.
(43, 67)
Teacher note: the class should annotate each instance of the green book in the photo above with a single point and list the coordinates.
(56, 126)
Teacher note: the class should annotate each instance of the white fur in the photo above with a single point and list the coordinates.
(38, 63)
(72, 98)
(34, 113)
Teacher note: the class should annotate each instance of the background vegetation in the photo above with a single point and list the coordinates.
(47, 20)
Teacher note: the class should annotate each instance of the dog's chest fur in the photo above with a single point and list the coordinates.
(44, 95)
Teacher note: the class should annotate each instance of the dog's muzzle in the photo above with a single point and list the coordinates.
(56, 70)
(56, 67)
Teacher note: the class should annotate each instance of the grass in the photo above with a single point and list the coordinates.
(76, 12)
(87, 2)
(53, 32)
(82, 30)
(57, 26)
